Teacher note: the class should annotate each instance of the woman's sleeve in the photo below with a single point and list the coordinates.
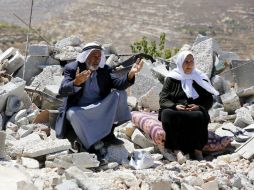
(166, 95)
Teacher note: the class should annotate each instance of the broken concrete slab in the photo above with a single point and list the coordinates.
(46, 147)
(15, 87)
(246, 150)
(203, 55)
(38, 50)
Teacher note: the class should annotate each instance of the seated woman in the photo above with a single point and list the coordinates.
(185, 100)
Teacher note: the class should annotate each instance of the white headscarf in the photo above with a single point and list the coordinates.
(83, 56)
(187, 79)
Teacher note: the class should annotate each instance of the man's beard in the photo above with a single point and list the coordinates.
(92, 67)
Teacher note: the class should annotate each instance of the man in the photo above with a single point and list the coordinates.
(90, 105)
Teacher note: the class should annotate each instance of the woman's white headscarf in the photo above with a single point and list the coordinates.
(87, 50)
(187, 79)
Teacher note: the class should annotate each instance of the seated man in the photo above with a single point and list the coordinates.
(90, 105)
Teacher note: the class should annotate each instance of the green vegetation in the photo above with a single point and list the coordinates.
(151, 47)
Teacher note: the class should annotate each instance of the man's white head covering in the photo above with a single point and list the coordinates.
(87, 50)
(187, 79)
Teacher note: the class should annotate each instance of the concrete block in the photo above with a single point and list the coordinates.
(15, 63)
(15, 87)
(7, 54)
(38, 50)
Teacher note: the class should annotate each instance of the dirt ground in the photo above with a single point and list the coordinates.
(230, 22)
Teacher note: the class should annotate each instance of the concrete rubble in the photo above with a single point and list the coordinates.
(31, 157)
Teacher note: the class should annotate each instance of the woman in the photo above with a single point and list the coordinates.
(185, 100)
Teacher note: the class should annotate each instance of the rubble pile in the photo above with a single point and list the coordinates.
(33, 158)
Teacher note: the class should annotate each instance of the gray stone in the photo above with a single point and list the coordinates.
(243, 117)
(117, 154)
(246, 92)
(18, 116)
(52, 90)
(8, 182)
(139, 139)
(32, 67)
(243, 73)
(15, 63)
(85, 160)
(68, 185)
(109, 49)
(30, 163)
(132, 101)
(151, 99)
(38, 50)
(230, 101)
(185, 186)
(83, 180)
(51, 75)
(70, 41)
(211, 185)
(160, 72)
(246, 150)
(203, 54)
(112, 61)
(13, 105)
(15, 87)
(66, 55)
(23, 185)
(2, 144)
(220, 84)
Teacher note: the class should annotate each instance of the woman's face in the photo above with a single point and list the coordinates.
(188, 64)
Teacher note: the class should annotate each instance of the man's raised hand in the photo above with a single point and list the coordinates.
(81, 77)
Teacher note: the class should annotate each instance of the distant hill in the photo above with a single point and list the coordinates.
(230, 22)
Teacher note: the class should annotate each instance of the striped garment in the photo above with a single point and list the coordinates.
(151, 126)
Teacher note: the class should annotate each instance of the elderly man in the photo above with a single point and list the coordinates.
(90, 104)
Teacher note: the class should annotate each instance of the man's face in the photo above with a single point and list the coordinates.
(93, 59)
(188, 64)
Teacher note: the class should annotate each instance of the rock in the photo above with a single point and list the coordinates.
(230, 101)
(70, 41)
(211, 185)
(150, 99)
(68, 185)
(117, 154)
(30, 163)
(243, 117)
(13, 105)
(139, 139)
(15, 87)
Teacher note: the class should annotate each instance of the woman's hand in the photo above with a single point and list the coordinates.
(181, 107)
(192, 107)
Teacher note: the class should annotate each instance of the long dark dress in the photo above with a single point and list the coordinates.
(185, 130)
